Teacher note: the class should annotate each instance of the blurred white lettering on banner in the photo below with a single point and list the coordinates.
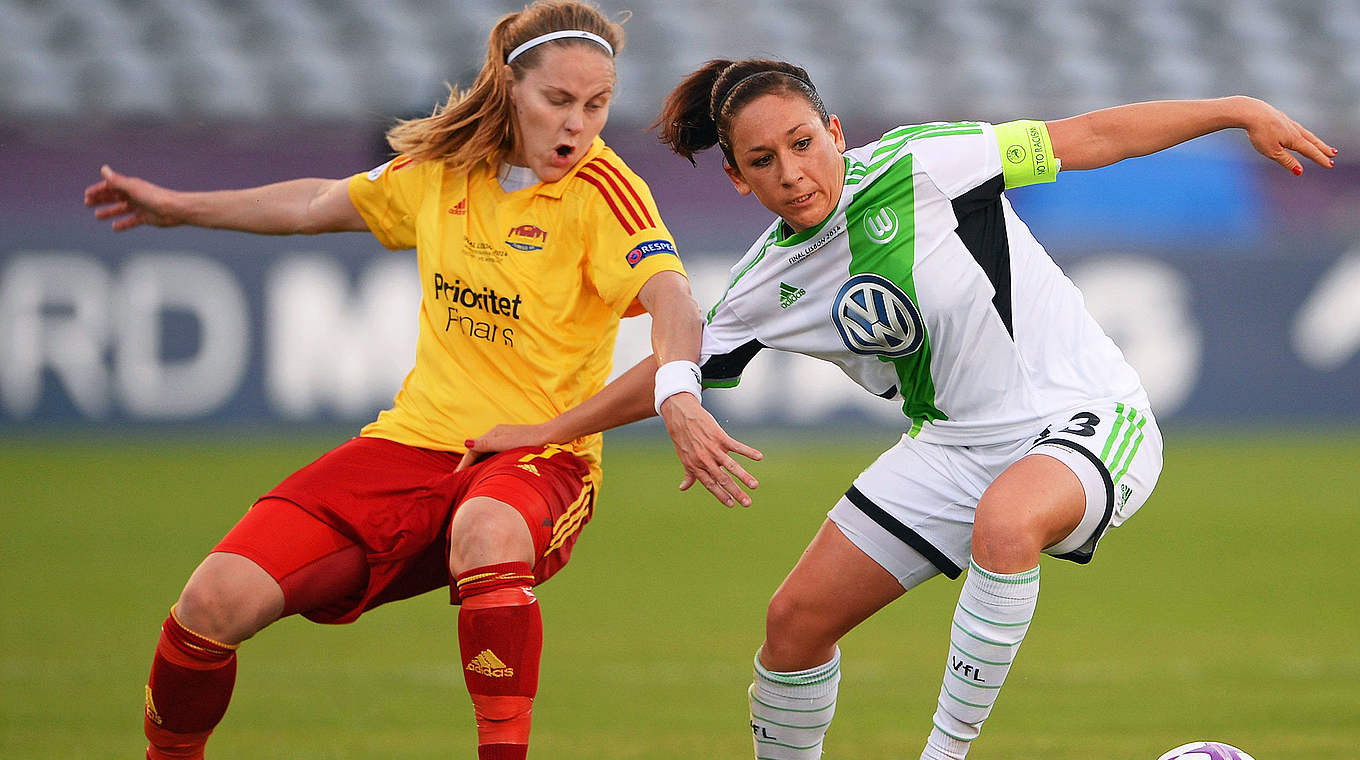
(1326, 332)
(330, 346)
(54, 316)
(100, 335)
(149, 385)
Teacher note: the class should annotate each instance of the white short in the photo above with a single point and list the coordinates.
(912, 509)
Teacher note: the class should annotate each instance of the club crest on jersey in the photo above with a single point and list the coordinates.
(649, 248)
(881, 224)
(875, 317)
(527, 237)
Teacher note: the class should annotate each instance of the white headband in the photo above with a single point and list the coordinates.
(564, 34)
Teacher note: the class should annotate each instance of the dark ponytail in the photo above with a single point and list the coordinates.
(698, 113)
(686, 123)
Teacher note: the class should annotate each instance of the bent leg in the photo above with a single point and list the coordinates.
(1033, 504)
(228, 599)
(500, 626)
(833, 588)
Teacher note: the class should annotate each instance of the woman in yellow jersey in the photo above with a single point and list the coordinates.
(533, 240)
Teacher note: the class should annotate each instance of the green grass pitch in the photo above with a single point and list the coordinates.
(1227, 609)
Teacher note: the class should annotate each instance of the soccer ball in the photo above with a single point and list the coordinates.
(1206, 751)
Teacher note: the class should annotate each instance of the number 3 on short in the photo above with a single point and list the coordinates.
(1083, 423)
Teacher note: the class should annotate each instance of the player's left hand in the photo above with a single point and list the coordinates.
(705, 450)
(1275, 135)
(502, 438)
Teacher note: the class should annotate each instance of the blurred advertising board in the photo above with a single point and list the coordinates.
(1229, 288)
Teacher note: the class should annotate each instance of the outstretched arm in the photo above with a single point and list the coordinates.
(1104, 137)
(628, 398)
(702, 445)
(283, 208)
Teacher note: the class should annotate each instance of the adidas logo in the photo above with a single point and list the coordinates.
(1124, 493)
(528, 468)
(488, 664)
(788, 294)
(460, 208)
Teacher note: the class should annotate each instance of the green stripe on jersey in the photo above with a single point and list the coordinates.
(892, 143)
(894, 260)
(769, 241)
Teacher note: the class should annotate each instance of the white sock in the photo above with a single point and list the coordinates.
(990, 621)
(790, 712)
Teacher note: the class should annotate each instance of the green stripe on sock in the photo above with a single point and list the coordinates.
(960, 701)
(972, 656)
(976, 616)
(942, 730)
(770, 743)
(973, 684)
(764, 719)
(751, 693)
(811, 679)
(1015, 578)
(983, 639)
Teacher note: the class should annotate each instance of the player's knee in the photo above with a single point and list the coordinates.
(227, 608)
(794, 631)
(1012, 539)
(488, 532)
(210, 611)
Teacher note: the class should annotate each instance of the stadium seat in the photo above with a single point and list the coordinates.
(249, 60)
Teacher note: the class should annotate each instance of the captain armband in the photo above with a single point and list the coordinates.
(677, 377)
(1026, 153)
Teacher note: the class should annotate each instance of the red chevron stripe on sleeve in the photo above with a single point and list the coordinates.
(631, 190)
(600, 185)
(598, 169)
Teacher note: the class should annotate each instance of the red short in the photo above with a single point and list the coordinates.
(396, 503)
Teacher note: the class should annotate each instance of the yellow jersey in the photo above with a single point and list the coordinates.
(521, 292)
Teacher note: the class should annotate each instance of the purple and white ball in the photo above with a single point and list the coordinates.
(1206, 751)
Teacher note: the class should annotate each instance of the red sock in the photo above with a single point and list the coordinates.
(187, 695)
(500, 634)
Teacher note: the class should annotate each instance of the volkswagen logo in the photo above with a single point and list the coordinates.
(874, 316)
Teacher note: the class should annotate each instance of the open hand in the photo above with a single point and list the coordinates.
(705, 450)
(130, 201)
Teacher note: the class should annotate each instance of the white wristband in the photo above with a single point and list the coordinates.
(677, 377)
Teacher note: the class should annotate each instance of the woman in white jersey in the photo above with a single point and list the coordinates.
(902, 262)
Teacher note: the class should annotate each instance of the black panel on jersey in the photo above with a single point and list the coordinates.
(727, 367)
(982, 228)
(903, 533)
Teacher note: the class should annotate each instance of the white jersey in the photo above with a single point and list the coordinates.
(923, 285)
